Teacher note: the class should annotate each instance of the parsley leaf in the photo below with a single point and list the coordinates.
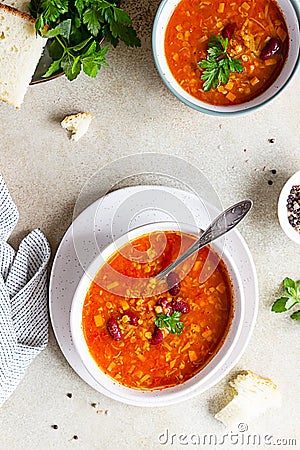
(283, 304)
(296, 315)
(127, 34)
(93, 60)
(291, 296)
(122, 16)
(218, 64)
(55, 66)
(62, 29)
(171, 322)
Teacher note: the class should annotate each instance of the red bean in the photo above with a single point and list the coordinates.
(113, 329)
(173, 281)
(228, 30)
(157, 336)
(182, 306)
(166, 306)
(133, 318)
(271, 47)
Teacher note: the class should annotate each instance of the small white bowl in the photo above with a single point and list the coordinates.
(290, 10)
(169, 395)
(282, 209)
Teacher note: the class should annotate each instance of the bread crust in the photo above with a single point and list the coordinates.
(9, 103)
(16, 12)
(69, 119)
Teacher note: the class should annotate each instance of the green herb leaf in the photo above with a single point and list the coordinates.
(81, 45)
(171, 322)
(289, 283)
(79, 5)
(55, 66)
(76, 28)
(235, 65)
(62, 29)
(47, 11)
(218, 65)
(127, 34)
(71, 70)
(296, 315)
(122, 16)
(291, 296)
(92, 61)
(93, 18)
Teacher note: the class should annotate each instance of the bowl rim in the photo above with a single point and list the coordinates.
(282, 210)
(165, 396)
(202, 108)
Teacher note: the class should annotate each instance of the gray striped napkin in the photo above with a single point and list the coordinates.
(23, 297)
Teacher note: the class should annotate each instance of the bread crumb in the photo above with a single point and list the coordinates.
(77, 124)
(254, 396)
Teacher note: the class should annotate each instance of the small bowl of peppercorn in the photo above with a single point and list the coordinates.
(289, 208)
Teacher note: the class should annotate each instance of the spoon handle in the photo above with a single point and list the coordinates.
(223, 223)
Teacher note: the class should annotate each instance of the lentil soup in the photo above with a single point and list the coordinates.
(257, 36)
(148, 339)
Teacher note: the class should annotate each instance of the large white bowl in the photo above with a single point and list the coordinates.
(185, 390)
(290, 10)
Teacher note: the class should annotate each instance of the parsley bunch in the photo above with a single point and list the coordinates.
(77, 27)
(171, 322)
(218, 65)
(291, 296)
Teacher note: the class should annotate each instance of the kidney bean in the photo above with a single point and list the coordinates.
(133, 318)
(173, 281)
(228, 30)
(181, 305)
(157, 336)
(271, 47)
(113, 329)
(166, 306)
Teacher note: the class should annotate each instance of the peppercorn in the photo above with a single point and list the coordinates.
(293, 207)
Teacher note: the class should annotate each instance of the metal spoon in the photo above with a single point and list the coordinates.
(225, 221)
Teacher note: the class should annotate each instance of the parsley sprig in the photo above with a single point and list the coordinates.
(171, 322)
(219, 64)
(290, 297)
(77, 28)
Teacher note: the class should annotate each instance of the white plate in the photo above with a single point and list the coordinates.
(113, 215)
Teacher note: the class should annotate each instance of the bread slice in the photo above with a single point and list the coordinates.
(254, 395)
(20, 51)
(77, 124)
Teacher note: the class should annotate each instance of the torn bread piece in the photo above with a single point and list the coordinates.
(254, 396)
(20, 51)
(77, 124)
